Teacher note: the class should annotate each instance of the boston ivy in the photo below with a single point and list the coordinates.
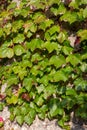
(40, 72)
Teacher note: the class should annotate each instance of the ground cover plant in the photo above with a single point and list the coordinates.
(41, 73)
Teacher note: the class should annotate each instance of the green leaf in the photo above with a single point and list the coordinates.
(19, 38)
(54, 108)
(80, 84)
(41, 115)
(20, 119)
(6, 52)
(57, 61)
(75, 4)
(28, 83)
(49, 91)
(1, 32)
(34, 44)
(40, 88)
(70, 17)
(50, 46)
(39, 17)
(1, 106)
(12, 80)
(74, 59)
(45, 24)
(44, 80)
(12, 6)
(19, 50)
(82, 34)
(7, 28)
(28, 119)
(12, 117)
(20, 71)
(12, 100)
(67, 50)
(62, 37)
(36, 57)
(58, 76)
(23, 110)
(17, 12)
(24, 12)
(26, 63)
(59, 10)
(83, 67)
(16, 25)
(70, 92)
(39, 100)
(54, 29)
(32, 113)
(51, 2)
(29, 26)
(84, 56)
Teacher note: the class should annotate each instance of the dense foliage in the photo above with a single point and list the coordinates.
(40, 72)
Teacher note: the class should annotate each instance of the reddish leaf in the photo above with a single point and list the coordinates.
(26, 97)
(2, 97)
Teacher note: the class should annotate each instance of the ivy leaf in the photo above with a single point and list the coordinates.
(57, 61)
(83, 67)
(82, 34)
(41, 115)
(70, 17)
(51, 2)
(26, 63)
(40, 88)
(50, 46)
(6, 52)
(18, 50)
(34, 44)
(1, 32)
(28, 119)
(67, 50)
(7, 28)
(58, 76)
(16, 12)
(16, 25)
(24, 110)
(75, 4)
(12, 100)
(85, 13)
(49, 91)
(12, 80)
(44, 80)
(19, 38)
(39, 100)
(36, 57)
(59, 10)
(70, 92)
(24, 12)
(61, 37)
(38, 17)
(20, 119)
(54, 29)
(29, 26)
(32, 113)
(74, 59)
(1, 106)
(12, 6)
(45, 24)
(54, 108)
(80, 84)
(27, 83)
(20, 71)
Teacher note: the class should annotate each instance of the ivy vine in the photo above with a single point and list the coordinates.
(43, 74)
